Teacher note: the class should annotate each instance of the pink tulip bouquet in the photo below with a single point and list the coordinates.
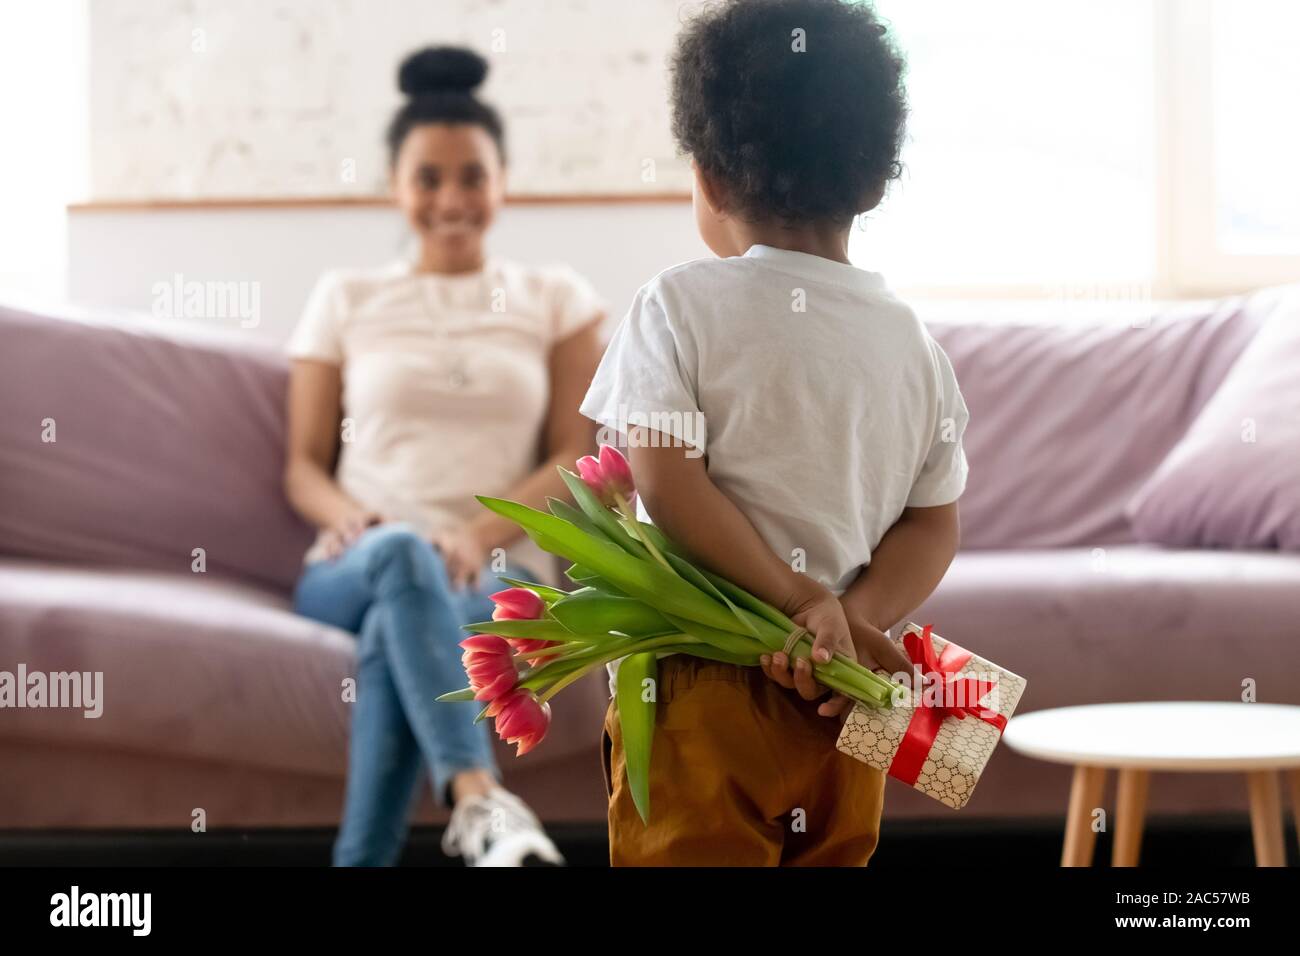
(637, 598)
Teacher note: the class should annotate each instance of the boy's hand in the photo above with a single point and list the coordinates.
(874, 650)
(823, 615)
(819, 611)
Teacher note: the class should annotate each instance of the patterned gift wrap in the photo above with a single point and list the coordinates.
(940, 747)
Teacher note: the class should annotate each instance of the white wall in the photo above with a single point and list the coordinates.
(115, 258)
(289, 97)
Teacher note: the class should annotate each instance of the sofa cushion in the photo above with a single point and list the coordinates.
(193, 666)
(159, 447)
(1129, 622)
(1068, 419)
(213, 674)
(200, 668)
(1121, 623)
(1233, 481)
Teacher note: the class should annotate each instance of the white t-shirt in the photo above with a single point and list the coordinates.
(823, 404)
(445, 381)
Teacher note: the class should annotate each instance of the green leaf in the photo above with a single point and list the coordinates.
(589, 578)
(540, 630)
(591, 612)
(737, 644)
(578, 574)
(562, 509)
(743, 598)
(547, 594)
(706, 581)
(599, 515)
(693, 574)
(637, 577)
(665, 544)
(636, 718)
(711, 653)
(767, 632)
(465, 693)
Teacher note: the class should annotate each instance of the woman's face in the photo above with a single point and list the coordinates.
(449, 181)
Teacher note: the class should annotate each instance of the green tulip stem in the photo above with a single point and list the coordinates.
(637, 647)
(562, 653)
(869, 684)
(558, 652)
(628, 512)
(849, 677)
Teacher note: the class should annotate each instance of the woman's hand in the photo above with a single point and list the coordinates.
(463, 553)
(351, 525)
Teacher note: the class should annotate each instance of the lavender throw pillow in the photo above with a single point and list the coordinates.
(1233, 480)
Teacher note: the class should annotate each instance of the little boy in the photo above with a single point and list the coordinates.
(804, 440)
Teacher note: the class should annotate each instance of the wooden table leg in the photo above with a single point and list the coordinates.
(1130, 816)
(1266, 817)
(1295, 803)
(1085, 796)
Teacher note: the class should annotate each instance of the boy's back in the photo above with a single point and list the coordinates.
(822, 403)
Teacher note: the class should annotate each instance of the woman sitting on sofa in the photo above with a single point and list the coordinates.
(430, 381)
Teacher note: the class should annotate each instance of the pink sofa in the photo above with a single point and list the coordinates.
(217, 697)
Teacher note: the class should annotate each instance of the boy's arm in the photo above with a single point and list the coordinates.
(698, 516)
(905, 568)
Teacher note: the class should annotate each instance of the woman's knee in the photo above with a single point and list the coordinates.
(400, 557)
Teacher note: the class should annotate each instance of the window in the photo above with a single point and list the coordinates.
(1255, 73)
(42, 165)
(1122, 147)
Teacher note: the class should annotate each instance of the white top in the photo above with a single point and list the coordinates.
(445, 380)
(1192, 735)
(823, 404)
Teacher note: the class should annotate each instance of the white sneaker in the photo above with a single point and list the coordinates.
(498, 829)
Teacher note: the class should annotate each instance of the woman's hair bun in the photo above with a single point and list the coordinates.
(441, 69)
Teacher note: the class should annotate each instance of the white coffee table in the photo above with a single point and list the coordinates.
(1259, 740)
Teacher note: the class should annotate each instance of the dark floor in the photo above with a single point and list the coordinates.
(1169, 842)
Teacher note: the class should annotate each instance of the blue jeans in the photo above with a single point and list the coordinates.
(392, 590)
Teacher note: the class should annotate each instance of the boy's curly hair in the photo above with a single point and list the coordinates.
(795, 136)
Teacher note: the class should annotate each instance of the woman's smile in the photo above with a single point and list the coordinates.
(453, 229)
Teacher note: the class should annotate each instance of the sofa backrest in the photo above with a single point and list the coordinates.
(1068, 418)
(121, 445)
(162, 446)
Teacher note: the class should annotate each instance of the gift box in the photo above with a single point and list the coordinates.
(936, 739)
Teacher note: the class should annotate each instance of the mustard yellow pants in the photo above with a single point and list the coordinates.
(743, 772)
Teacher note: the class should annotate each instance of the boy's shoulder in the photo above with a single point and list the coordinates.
(692, 288)
(695, 273)
(700, 285)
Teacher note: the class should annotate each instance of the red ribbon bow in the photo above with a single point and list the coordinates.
(958, 697)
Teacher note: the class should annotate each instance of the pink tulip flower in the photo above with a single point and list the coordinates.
(527, 648)
(521, 604)
(521, 719)
(609, 476)
(617, 471)
(490, 666)
(517, 604)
